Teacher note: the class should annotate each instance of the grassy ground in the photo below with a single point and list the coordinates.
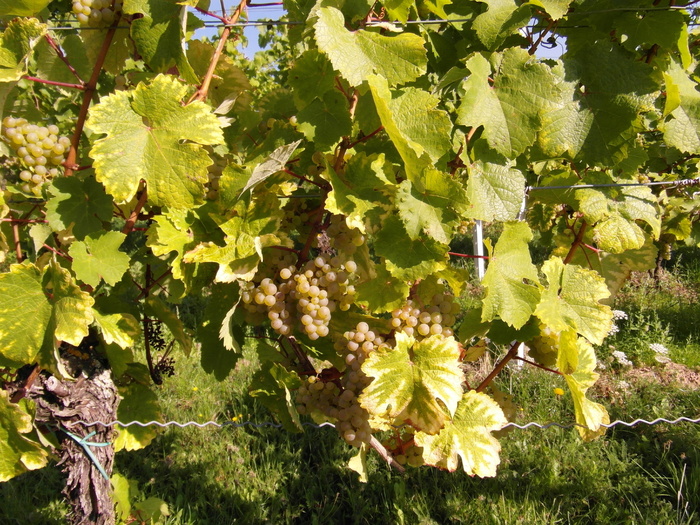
(645, 474)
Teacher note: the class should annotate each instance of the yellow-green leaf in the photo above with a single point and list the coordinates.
(414, 381)
(467, 436)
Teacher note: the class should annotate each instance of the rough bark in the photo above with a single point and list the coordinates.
(59, 404)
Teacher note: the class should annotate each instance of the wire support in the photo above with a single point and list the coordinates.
(270, 424)
(184, 424)
(618, 422)
(680, 183)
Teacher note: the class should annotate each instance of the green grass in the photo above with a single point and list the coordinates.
(645, 474)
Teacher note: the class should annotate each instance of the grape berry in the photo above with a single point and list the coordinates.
(39, 149)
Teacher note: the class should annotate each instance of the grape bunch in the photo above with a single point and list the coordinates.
(344, 240)
(39, 149)
(96, 13)
(545, 347)
(403, 449)
(338, 399)
(214, 172)
(303, 298)
(436, 318)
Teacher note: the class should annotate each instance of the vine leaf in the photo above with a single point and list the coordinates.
(120, 328)
(614, 212)
(681, 126)
(555, 8)
(218, 334)
(572, 301)
(495, 188)
(384, 293)
(511, 109)
(427, 205)
(415, 382)
(364, 187)
(311, 77)
(80, 204)
(98, 258)
(359, 54)
(250, 229)
(58, 308)
(16, 44)
(272, 386)
(150, 136)
(18, 453)
(155, 307)
(467, 436)
(138, 403)
(274, 163)
(325, 120)
(511, 280)
(501, 19)
(23, 298)
(159, 35)
(406, 259)
(22, 7)
(589, 415)
(419, 131)
(358, 463)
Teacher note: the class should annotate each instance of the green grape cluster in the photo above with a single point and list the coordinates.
(436, 318)
(96, 13)
(344, 240)
(404, 450)
(358, 344)
(39, 149)
(214, 172)
(340, 401)
(303, 298)
(544, 348)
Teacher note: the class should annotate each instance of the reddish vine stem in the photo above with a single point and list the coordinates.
(17, 241)
(301, 177)
(518, 358)
(468, 256)
(24, 221)
(55, 83)
(88, 92)
(577, 242)
(203, 90)
(131, 221)
(58, 252)
(512, 353)
(376, 445)
(366, 137)
(62, 56)
(537, 43)
(146, 289)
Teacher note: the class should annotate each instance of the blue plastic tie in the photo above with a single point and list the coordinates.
(86, 447)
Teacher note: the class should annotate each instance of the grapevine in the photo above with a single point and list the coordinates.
(309, 201)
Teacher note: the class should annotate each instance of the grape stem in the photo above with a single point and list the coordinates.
(88, 91)
(131, 221)
(517, 357)
(301, 177)
(534, 46)
(55, 83)
(577, 242)
(18, 243)
(512, 353)
(202, 91)
(58, 252)
(366, 137)
(376, 445)
(64, 59)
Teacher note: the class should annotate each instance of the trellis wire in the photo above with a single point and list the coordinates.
(236, 424)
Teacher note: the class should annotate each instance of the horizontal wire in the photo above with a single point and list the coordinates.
(684, 182)
(235, 424)
(618, 422)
